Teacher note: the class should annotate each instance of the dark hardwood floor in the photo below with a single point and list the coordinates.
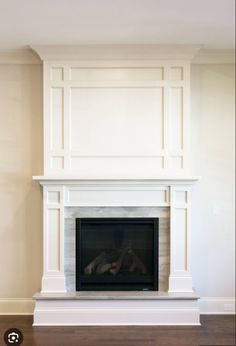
(215, 330)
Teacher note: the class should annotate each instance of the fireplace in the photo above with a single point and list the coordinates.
(116, 139)
(116, 254)
(60, 302)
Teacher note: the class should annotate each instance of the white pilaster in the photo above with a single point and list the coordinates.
(180, 279)
(53, 245)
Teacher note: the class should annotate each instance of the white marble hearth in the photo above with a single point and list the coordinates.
(65, 199)
(116, 295)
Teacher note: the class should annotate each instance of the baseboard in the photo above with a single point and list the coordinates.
(217, 305)
(208, 305)
(16, 306)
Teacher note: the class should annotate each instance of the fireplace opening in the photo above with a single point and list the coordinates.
(116, 254)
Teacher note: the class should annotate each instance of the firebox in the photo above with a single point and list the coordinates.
(116, 254)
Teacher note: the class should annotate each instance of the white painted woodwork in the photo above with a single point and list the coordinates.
(26, 56)
(116, 133)
(102, 193)
(116, 119)
(108, 312)
(53, 279)
(180, 278)
(116, 52)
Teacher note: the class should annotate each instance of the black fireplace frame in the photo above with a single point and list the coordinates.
(78, 236)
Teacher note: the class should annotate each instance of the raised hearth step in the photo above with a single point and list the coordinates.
(116, 295)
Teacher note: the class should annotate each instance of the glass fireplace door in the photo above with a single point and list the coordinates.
(117, 254)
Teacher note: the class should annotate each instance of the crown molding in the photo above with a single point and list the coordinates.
(116, 52)
(34, 55)
(21, 56)
(214, 56)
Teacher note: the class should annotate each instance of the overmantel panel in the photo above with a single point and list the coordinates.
(116, 117)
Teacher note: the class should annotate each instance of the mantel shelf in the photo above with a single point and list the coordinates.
(68, 180)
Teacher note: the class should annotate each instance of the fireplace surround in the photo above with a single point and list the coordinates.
(178, 305)
(116, 139)
(160, 213)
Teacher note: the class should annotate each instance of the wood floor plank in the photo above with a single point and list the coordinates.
(215, 330)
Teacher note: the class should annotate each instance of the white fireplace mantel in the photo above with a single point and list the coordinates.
(62, 192)
(116, 134)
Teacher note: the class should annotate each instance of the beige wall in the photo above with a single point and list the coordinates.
(21, 148)
(20, 199)
(213, 135)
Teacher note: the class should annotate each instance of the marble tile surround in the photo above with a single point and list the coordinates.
(71, 213)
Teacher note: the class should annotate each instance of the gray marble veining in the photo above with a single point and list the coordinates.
(164, 236)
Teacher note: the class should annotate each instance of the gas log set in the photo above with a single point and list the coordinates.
(115, 261)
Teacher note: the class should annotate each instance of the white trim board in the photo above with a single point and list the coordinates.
(116, 51)
(208, 306)
(26, 56)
